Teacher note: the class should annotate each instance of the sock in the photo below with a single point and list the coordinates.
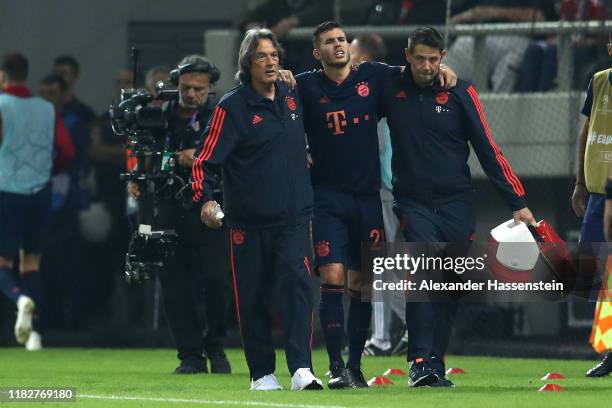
(32, 286)
(9, 285)
(331, 313)
(357, 327)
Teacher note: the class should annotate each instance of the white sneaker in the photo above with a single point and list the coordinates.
(266, 383)
(303, 379)
(23, 324)
(34, 342)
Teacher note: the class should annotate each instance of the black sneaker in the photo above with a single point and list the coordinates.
(371, 349)
(191, 367)
(421, 374)
(440, 371)
(219, 364)
(442, 382)
(355, 378)
(337, 377)
(603, 368)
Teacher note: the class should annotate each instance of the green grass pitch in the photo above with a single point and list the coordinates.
(141, 378)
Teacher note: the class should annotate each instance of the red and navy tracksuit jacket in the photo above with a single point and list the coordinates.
(430, 130)
(260, 147)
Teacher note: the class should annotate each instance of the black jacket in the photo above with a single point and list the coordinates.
(182, 133)
(260, 147)
(430, 130)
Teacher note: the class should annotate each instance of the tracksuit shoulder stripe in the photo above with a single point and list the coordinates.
(209, 144)
(213, 138)
(509, 175)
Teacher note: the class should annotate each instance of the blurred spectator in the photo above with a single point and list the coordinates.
(153, 76)
(281, 16)
(503, 52)
(406, 12)
(62, 261)
(29, 127)
(539, 67)
(107, 152)
(368, 47)
(125, 79)
(107, 249)
(68, 68)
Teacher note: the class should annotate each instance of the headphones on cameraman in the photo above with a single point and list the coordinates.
(201, 65)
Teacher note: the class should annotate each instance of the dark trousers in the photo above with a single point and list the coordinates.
(430, 323)
(260, 257)
(198, 270)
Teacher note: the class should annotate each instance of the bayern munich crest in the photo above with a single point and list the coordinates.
(442, 98)
(238, 237)
(363, 89)
(290, 103)
(322, 248)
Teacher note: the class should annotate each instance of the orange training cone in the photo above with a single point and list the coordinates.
(553, 376)
(380, 381)
(551, 388)
(395, 371)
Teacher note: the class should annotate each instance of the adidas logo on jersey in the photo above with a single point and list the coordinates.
(256, 119)
(400, 94)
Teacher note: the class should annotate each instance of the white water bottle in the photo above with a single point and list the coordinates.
(217, 212)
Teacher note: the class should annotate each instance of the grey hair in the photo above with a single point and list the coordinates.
(247, 50)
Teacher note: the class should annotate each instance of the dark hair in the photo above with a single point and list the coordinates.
(373, 45)
(247, 50)
(55, 79)
(68, 60)
(323, 28)
(15, 66)
(195, 63)
(428, 36)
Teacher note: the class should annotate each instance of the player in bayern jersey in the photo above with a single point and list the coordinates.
(340, 116)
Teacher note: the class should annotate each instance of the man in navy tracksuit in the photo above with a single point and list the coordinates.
(256, 137)
(430, 130)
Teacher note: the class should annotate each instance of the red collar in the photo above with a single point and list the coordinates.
(18, 90)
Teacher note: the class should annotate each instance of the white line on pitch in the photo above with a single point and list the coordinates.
(211, 402)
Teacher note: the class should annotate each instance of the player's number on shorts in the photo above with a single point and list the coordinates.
(378, 237)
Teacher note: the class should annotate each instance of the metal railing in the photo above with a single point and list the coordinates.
(565, 30)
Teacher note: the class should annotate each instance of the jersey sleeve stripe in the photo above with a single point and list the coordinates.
(510, 176)
(198, 167)
(215, 135)
(507, 170)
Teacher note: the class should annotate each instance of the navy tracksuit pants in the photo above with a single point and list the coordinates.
(260, 258)
(430, 324)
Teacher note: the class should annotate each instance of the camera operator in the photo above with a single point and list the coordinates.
(201, 257)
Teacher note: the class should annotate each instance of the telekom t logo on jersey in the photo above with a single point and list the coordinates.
(336, 121)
